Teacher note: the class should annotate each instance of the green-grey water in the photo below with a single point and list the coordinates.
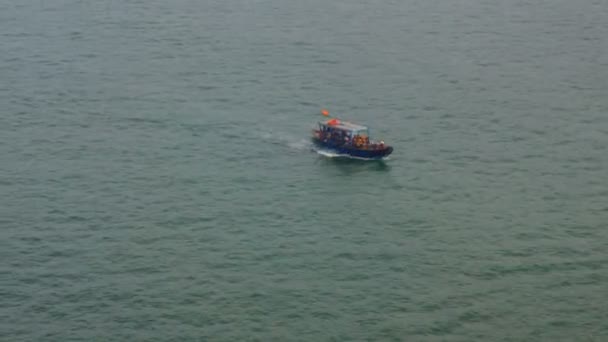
(157, 182)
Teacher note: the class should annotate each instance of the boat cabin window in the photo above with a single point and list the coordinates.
(362, 133)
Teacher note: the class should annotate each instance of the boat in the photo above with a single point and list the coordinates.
(348, 139)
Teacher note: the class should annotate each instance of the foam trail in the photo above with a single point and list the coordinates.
(300, 145)
(277, 138)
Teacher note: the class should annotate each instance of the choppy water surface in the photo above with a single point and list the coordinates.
(157, 182)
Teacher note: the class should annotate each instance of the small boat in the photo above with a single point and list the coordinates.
(348, 139)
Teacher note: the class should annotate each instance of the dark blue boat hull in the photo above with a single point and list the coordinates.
(354, 152)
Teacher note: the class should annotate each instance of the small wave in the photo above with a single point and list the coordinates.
(332, 154)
